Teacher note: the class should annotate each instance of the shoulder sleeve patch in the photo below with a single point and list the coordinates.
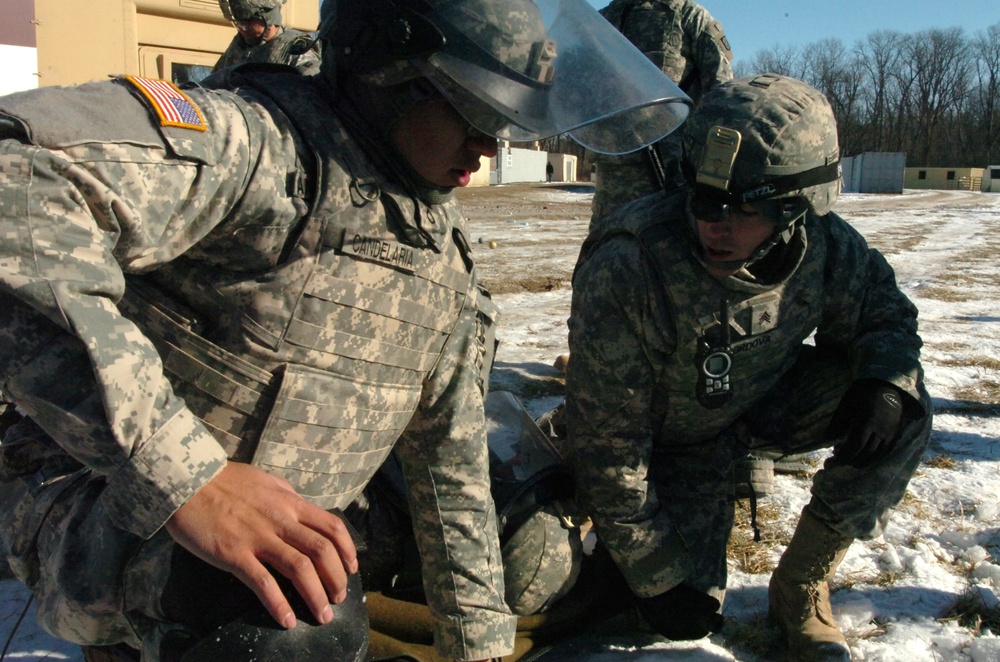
(173, 107)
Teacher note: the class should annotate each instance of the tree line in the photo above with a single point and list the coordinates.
(934, 95)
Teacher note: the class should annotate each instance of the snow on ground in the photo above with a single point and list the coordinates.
(944, 540)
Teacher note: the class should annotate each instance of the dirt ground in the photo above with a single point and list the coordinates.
(526, 236)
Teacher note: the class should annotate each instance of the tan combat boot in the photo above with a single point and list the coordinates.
(799, 593)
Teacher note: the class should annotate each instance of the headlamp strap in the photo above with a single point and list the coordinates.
(771, 189)
(786, 183)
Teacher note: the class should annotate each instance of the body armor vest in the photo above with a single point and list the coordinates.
(312, 369)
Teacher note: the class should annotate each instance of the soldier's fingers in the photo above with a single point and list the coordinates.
(324, 549)
(263, 584)
(305, 576)
(334, 528)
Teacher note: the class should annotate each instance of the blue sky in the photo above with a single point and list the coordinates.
(752, 25)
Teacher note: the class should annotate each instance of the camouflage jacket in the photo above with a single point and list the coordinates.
(689, 46)
(678, 36)
(641, 301)
(291, 47)
(146, 254)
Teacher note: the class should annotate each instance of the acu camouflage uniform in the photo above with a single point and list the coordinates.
(257, 290)
(690, 47)
(653, 466)
(292, 47)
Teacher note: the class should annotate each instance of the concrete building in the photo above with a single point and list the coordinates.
(991, 180)
(874, 172)
(945, 179)
(514, 165)
(564, 167)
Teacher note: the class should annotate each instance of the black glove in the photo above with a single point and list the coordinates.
(867, 420)
(682, 613)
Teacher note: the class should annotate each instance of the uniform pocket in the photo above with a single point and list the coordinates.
(328, 433)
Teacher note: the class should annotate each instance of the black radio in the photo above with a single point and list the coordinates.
(714, 360)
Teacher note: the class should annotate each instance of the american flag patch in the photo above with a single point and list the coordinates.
(172, 106)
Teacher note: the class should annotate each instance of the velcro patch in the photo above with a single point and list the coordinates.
(173, 107)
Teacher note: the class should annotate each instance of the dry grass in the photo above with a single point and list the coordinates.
(972, 612)
(991, 363)
(884, 579)
(504, 285)
(915, 506)
(949, 346)
(986, 392)
(896, 243)
(755, 557)
(949, 294)
(940, 462)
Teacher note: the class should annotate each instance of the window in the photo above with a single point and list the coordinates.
(951, 175)
(174, 64)
(922, 174)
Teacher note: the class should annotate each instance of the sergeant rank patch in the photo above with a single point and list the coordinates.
(173, 107)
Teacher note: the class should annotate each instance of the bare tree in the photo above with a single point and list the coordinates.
(986, 51)
(939, 63)
(777, 60)
(832, 70)
(878, 57)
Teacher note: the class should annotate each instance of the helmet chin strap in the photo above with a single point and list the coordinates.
(779, 236)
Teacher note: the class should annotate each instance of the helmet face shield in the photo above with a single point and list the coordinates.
(523, 70)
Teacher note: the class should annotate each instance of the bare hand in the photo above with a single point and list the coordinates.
(245, 517)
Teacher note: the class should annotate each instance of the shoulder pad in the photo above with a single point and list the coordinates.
(91, 113)
(112, 112)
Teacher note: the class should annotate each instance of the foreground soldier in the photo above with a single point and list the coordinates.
(223, 309)
(690, 46)
(690, 316)
(260, 37)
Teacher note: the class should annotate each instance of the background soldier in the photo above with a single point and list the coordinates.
(223, 309)
(260, 37)
(682, 39)
(690, 315)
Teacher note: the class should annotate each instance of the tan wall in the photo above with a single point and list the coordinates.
(943, 179)
(564, 166)
(482, 177)
(80, 41)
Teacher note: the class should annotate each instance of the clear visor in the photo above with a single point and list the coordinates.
(519, 448)
(588, 81)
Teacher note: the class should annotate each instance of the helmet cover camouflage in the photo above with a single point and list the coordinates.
(541, 562)
(787, 143)
(244, 10)
(511, 33)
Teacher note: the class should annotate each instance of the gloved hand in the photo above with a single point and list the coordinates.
(682, 613)
(867, 420)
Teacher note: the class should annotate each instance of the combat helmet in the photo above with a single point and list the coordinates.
(518, 70)
(268, 11)
(765, 138)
